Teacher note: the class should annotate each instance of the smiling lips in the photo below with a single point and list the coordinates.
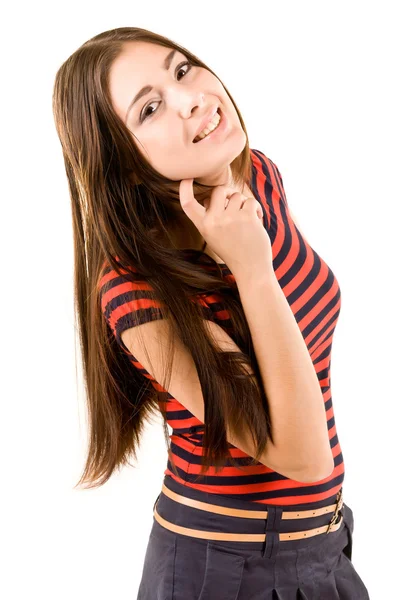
(211, 126)
(206, 120)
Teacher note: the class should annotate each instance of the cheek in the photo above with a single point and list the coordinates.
(167, 152)
(175, 164)
(165, 135)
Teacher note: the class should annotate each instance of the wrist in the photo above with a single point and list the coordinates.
(254, 276)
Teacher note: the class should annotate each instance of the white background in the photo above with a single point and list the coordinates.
(316, 85)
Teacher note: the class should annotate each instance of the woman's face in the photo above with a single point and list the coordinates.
(165, 120)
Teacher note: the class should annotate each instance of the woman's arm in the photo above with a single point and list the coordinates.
(298, 416)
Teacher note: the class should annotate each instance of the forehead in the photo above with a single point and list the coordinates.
(137, 65)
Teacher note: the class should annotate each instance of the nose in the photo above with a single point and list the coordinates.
(186, 102)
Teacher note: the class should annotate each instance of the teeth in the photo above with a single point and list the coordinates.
(213, 124)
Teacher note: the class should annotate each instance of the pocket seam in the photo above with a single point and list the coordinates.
(208, 574)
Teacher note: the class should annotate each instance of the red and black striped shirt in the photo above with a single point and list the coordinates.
(313, 294)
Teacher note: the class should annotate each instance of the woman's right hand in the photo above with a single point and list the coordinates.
(231, 225)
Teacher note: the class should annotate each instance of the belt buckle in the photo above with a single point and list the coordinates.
(339, 505)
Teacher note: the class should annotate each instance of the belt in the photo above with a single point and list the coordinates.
(250, 514)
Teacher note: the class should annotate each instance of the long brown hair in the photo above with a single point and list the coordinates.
(122, 212)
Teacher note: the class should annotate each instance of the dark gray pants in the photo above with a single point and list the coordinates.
(179, 567)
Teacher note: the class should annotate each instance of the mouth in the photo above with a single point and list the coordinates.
(198, 140)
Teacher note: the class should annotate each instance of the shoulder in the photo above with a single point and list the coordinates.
(126, 299)
(266, 165)
(269, 171)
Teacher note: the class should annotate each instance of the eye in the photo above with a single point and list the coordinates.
(143, 115)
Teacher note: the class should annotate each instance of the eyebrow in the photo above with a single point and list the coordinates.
(147, 88)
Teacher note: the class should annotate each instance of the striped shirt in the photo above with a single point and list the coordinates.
(313, 293)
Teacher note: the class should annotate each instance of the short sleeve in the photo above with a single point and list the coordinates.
(129, 302)
(272, 173)
(126, 303)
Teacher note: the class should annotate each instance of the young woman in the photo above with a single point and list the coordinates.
(198, 298)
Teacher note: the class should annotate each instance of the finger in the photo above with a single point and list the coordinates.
(220, 198)
(235, 201)
(251, 203)
(190, 206)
